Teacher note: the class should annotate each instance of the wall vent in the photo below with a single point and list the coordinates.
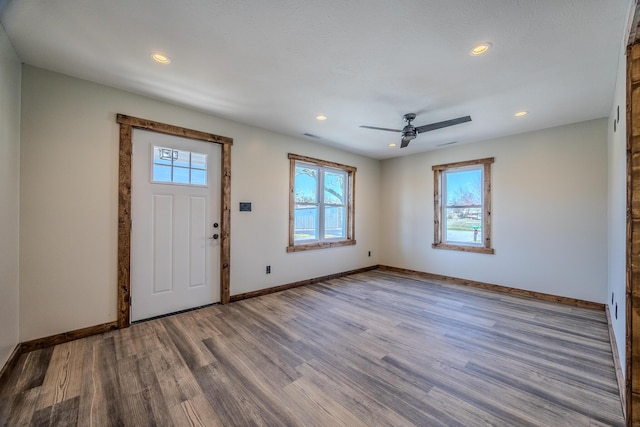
(446, 143)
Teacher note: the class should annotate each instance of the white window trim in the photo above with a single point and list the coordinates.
(439, 241)
(349, 205)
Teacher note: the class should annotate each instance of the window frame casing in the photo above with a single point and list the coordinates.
(439, 234)
(349, 205)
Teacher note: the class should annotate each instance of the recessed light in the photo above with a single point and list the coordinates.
(481, 48)
(321, 117)
(521, 113)
(162, 59)
(392, 145)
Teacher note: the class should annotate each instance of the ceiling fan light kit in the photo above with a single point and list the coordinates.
(410, 132)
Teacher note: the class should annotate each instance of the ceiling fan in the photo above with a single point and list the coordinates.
(410, 131)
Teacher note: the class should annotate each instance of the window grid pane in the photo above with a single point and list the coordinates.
(180, 175)
(306, 222)
(334, 187)
(198, 161)
(334, 222)
(464, 225)
(198, 177)
(306, 184)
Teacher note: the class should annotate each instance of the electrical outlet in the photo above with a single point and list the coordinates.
(268, 269)
(369, 253)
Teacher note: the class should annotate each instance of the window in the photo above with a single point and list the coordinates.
(179, 167)
(462, 206)
(321, 209)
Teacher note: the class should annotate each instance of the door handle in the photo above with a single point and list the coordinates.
(214, 237)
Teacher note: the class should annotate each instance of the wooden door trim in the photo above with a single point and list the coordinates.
(127, 124)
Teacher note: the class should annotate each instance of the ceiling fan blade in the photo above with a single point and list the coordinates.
(377, 128)
(405, 142)
(439, 125)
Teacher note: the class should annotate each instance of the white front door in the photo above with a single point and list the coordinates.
(175, 244)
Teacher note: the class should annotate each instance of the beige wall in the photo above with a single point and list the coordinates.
(549, 197)
(69, 171)
(549, 212)
(617, 210)
(9, 195)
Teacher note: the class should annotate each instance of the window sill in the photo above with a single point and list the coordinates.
(464, 248)
(320, 245)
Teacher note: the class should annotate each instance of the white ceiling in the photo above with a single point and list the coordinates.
(277, 64)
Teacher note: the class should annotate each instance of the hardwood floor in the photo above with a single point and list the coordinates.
(373, 349)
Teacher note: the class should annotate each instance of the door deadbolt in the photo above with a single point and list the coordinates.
(214, 237)
(215, 225)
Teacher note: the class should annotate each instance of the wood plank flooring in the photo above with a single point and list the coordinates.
(372, 349)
